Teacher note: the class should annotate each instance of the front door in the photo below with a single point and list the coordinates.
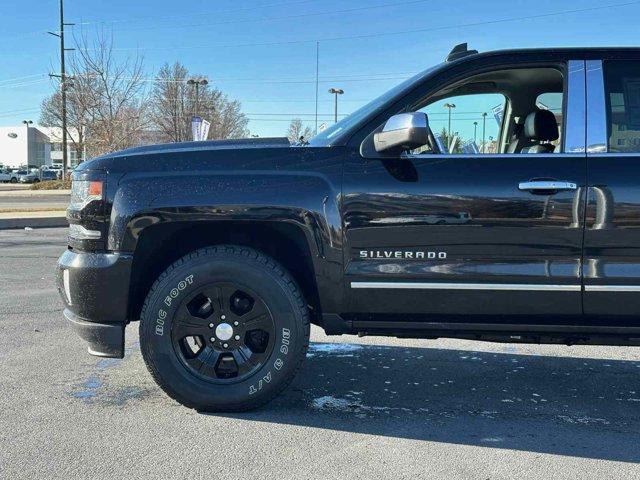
(476, 229)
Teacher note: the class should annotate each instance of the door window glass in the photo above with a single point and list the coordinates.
(513, 111)
(622, 87)
(467, 123)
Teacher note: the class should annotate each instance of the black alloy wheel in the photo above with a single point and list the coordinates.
(223, 333)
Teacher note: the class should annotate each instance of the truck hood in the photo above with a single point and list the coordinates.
(182, 149)
(199, 146)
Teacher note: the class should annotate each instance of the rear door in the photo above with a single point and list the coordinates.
(612, 235)
(454, 234)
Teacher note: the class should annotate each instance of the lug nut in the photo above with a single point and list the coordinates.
(225, 345)
(235, 324)
(223, 317)
(237, 337)
(211, 325)
(212, 339)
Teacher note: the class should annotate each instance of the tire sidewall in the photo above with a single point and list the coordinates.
(178, 286)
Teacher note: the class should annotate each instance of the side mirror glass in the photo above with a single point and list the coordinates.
(404, 131)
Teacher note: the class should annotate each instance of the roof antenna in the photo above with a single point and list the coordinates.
(459, 51)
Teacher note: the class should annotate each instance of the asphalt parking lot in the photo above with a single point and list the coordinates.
(31, 202)
(360, 408)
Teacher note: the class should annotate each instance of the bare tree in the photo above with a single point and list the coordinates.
(227, 119)
(51, 116)
(170, 103)
(173, 104)
(105, 97)
(298, 131)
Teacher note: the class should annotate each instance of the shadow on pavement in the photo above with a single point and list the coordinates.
(558, 405)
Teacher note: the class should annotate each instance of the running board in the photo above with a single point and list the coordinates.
(491, 332)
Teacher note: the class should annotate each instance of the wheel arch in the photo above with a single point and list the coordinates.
(160, 245)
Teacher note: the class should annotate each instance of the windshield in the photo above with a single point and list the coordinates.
(331, 134)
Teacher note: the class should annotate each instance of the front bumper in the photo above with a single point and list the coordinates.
(95, 290)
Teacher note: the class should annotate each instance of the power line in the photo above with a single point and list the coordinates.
(199, 14)
(333, 78)
(24, 84)
(402, 32)
(311, 114)
(18, 112)
(282, 17)
(22, 78)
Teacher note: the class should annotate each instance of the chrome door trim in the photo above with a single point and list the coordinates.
(612, 288)
(575, 130)
(597, 139)
(466, 286)
(546, 185)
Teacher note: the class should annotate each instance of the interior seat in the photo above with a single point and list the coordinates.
(540, 129)
(518, 141)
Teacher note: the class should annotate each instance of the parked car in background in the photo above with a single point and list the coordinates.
(35, 177)
(57, 169)
(5, 175)
(15, 174)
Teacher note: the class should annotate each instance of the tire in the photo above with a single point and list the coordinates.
(201, 280)
(14, 180)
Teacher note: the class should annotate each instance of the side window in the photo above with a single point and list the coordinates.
(511, 111)
(622, 90)
(467, 123)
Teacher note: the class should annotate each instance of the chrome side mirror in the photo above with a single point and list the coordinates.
(404, 131)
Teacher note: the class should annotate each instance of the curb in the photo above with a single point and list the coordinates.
(34, 193)
(34, 222)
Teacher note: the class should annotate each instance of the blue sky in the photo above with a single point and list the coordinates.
(258, 54)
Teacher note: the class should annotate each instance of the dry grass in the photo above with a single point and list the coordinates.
(52, 185)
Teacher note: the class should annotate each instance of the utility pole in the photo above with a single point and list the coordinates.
(475, 129)
(63, 86)
(336, 92)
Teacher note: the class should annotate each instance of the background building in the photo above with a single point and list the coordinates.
(35, 145)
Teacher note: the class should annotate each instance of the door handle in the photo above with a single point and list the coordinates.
(540, 186)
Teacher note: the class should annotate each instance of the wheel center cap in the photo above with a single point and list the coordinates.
(224, 331)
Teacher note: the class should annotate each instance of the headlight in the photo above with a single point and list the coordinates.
(85, 191)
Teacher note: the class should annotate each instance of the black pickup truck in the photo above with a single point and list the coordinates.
(493, 197)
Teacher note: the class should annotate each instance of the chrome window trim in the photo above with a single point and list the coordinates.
(466, 286)
(597, 138)
(575, 133)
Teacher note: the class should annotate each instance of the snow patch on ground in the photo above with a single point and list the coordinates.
(341, 349)
(329, 402)
(584, 420)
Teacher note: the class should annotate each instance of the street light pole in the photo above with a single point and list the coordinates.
(336, 92)
(26, 124)
(449, 106)
(196, 82)
(475, 129)
(484, 130)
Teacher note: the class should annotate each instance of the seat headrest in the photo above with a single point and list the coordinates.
(541, 125)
